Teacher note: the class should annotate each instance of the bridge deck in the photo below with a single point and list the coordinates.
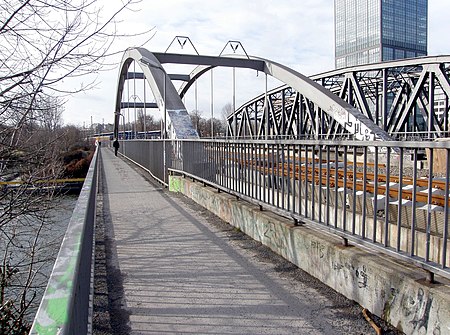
(183, 275)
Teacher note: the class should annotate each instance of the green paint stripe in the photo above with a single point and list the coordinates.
(57, 310)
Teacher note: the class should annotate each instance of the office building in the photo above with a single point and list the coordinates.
(370, 31)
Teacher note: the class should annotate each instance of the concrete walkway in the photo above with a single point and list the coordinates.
(182, 276)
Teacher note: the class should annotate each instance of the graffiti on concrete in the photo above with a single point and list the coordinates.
(361, 274)
(270, 234)
(318, 248)
(416, 307)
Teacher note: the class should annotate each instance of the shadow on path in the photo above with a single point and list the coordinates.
(110, 314)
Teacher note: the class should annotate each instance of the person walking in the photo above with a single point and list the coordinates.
(116, 146)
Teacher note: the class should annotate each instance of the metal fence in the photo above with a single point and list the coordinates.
(66, 307)
(153, 156)
(380, 195)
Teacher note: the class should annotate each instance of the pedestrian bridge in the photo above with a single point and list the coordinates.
(339, 198)
(271, 191)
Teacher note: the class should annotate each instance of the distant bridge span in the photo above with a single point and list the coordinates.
(409, 99)
(317, 99)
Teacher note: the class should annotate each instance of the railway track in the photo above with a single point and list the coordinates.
(357, 181)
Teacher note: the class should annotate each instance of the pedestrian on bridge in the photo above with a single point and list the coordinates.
(116, 146)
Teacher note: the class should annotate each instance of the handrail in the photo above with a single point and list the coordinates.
(269, 174)
(66, 307)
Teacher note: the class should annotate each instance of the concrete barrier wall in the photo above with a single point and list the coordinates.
(394, 291)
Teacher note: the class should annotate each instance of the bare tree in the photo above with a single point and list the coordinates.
(196, 117)
(150, 122)
(227, 110)
(43, 44)
(203, 126)
(28, 240)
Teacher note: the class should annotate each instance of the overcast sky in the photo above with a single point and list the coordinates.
(299, 34)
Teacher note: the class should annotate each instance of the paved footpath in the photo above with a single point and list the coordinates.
(183, 275)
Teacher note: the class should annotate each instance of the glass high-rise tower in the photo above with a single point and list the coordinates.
(369, 31)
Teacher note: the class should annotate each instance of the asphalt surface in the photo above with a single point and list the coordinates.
(164, 265)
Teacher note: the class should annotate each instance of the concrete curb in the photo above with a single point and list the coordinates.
(395, 291)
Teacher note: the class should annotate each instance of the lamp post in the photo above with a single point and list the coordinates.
(134, 97)
(155, 65)
(212, 104)
(123, 126)
(145, 113)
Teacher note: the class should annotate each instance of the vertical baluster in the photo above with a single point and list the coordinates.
(386, 203)
(446, 211)
(414, 205)
(336, 185)
(364, 203)
(430, 195)
(321, 200)
(344, 205)
(354, 191)
(400, 200)
(375, 195)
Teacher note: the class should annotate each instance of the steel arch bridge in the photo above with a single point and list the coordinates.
(178, 124)
(370, 102)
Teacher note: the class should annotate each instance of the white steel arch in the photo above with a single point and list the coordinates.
(177, 123)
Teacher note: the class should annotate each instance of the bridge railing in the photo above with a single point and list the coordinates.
(380, 195)
(66, 307)
(153, 156)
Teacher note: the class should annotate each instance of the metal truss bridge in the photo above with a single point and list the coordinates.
(399, 99)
